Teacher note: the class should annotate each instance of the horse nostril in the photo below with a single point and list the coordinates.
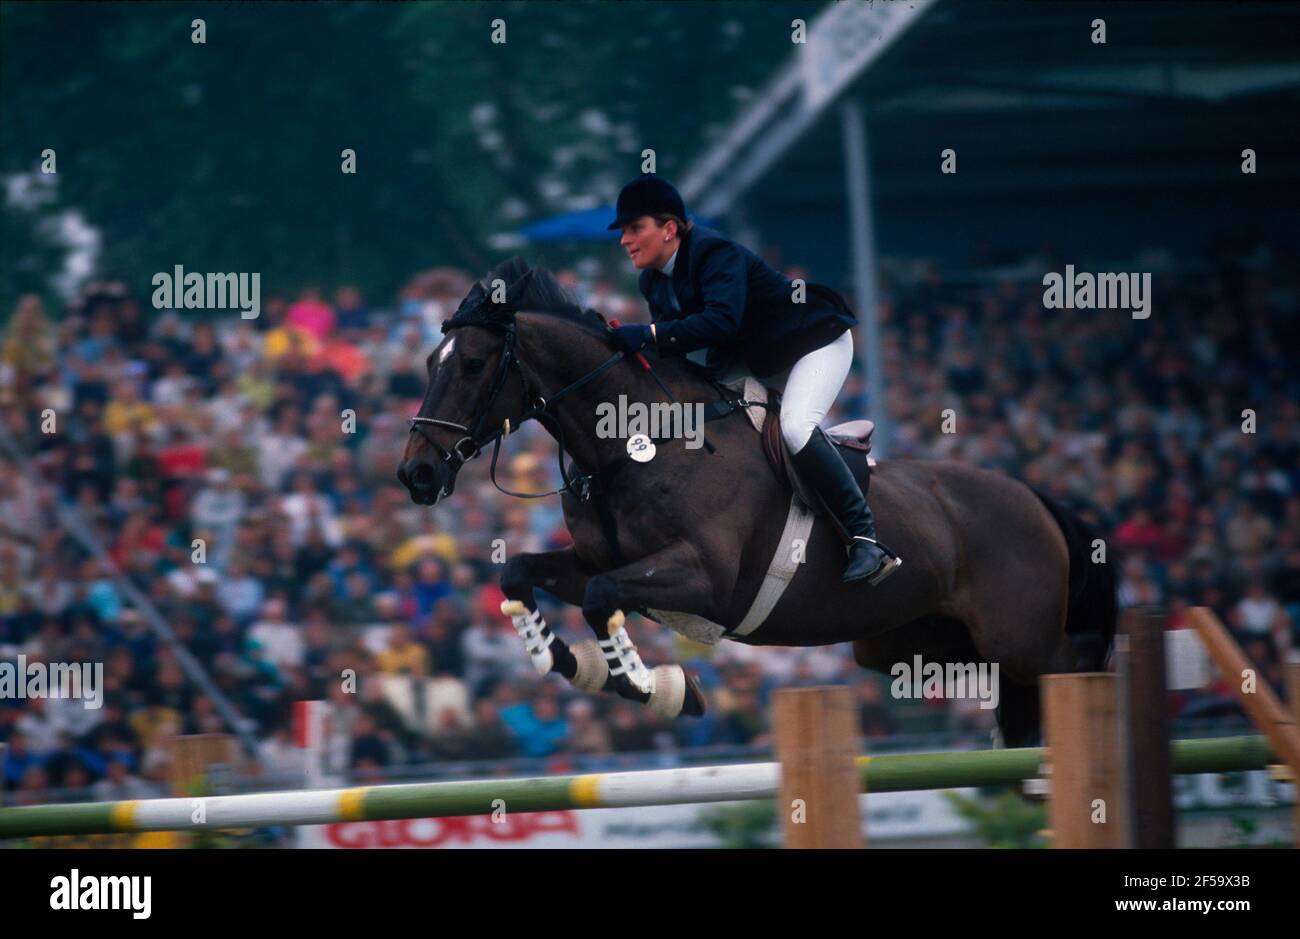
(422, 477)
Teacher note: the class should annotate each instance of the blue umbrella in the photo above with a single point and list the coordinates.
(587, 225)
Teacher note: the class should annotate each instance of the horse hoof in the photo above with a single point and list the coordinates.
(693, 702)
(676, 692)
(670, 690)
(592, 671)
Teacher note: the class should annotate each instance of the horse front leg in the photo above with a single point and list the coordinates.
(562, 574)
(669, 579)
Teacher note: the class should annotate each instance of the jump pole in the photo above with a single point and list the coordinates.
(888, 772)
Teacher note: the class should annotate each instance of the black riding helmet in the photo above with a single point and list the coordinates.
(647, 195)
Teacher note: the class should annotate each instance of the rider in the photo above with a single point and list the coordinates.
(704, 291)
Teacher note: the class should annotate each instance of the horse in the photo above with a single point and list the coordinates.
(996, 572)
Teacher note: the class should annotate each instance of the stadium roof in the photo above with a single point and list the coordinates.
(1028, 101)
(1093, 148)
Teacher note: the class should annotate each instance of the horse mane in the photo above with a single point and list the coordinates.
(530, 289)
(535, 290)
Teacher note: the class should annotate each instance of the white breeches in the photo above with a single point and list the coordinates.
(811, 387)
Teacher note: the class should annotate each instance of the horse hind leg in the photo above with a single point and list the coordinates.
(946, 639)
(1019, 711)
(1019, 714)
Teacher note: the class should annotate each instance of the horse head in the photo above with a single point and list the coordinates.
(479, 390)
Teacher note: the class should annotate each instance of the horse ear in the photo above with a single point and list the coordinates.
(470, 305)
(515, 292)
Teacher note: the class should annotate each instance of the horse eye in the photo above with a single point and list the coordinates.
(473, 366)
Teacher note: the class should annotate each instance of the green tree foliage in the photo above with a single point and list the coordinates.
(226, 156)
(1008, 820)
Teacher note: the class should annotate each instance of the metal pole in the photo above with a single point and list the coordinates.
(862, 245)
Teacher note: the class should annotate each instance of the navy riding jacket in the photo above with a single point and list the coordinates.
(732, 301)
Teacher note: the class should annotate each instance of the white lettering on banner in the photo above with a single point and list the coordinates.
(1231, 790)
(845, 39)
(465, 831)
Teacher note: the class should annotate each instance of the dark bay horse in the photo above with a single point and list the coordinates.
(994, 572)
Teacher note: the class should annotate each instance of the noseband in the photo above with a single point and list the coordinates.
(457, 456)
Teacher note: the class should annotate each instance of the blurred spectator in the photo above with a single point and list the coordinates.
(537, 725)
(312, 315)
(403, 656)
(121, 784)
(586, 733)
(280, 639)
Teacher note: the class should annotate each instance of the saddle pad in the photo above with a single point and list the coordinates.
(763, 421)
(781, 570)
(751, 389)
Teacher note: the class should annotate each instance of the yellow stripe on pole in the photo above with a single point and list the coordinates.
(585, 791)
(352, 805)
(123, 815)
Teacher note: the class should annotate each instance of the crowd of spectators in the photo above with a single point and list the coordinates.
(240, 475)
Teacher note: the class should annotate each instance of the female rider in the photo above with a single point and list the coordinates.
(706, 291)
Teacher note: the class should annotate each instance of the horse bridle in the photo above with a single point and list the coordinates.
(457, 456)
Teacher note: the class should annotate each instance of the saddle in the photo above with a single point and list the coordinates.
(853, 435)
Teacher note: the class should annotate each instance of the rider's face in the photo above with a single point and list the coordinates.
(648, 243)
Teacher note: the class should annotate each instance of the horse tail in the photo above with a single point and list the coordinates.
(1093, 610)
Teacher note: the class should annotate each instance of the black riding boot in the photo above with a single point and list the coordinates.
(820, 465)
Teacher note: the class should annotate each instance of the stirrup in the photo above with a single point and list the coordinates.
(891, 563)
